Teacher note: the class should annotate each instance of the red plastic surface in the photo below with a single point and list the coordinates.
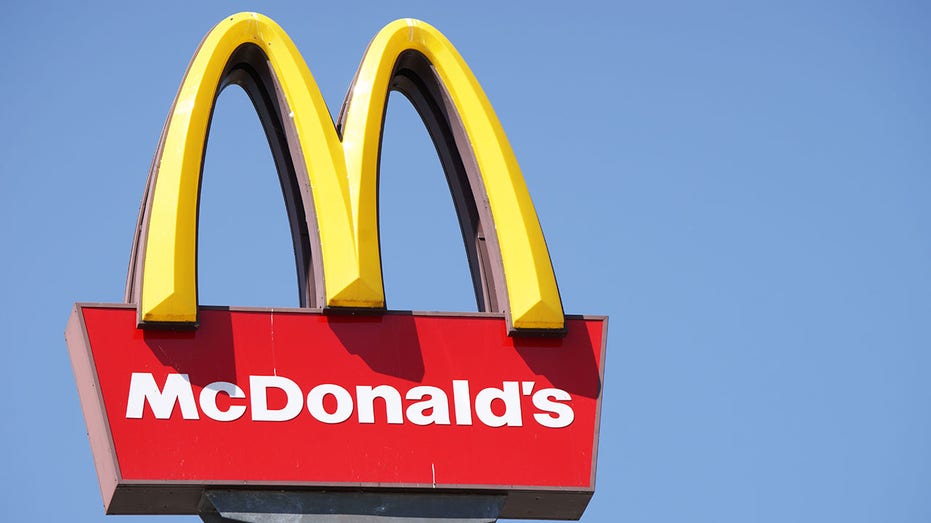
(309, 348)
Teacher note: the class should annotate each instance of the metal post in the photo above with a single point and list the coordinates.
(226, 506)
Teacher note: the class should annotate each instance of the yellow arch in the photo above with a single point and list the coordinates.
(342, 173)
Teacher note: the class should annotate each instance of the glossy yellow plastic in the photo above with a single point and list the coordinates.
(342, 173)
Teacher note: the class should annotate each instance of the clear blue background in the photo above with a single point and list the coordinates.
(742, 187)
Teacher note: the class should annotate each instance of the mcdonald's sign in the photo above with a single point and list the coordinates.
(340, 394)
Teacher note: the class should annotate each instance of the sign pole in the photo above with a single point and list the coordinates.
(226, 506)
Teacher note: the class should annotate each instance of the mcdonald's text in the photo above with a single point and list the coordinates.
(331, 403)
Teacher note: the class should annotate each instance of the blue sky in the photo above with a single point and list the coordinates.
(742, 187)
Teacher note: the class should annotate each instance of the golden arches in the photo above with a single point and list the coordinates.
(332, 175)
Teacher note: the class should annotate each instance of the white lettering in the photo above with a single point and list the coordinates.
(343, 403)
(258, 388)
(438, 405)
(509, 395)
(208, 401)
(425, 405)
(365, 398)
(463, 402)
(142, 389)
(560, 415)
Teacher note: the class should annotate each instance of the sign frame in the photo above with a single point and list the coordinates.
(129, 496)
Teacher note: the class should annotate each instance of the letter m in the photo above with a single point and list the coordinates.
(177, 389)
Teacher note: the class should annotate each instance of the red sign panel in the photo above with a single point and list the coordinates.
(298, 398)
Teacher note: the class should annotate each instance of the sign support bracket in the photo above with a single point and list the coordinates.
(264, 506)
